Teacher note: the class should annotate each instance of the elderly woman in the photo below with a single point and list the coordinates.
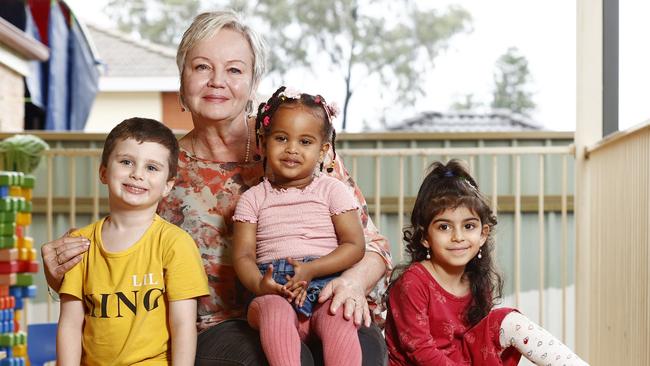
(221, 62)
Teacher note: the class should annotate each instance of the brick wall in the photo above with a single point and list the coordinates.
(12, 107)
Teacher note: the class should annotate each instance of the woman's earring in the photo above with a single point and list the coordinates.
(480, 253)
(428, 253)
(249, 107)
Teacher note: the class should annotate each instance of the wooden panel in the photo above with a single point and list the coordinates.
(619, 221)
(505, 204)
(172, 115)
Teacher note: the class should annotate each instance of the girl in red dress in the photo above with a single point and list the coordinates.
(440, 309)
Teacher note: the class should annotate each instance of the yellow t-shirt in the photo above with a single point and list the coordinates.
(125, 294)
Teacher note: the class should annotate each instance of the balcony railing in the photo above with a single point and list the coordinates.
(390, 178)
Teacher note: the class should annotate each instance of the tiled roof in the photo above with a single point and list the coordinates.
(493, 121)
(123, 56)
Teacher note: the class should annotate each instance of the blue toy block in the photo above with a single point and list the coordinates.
(19, 303)
(23, 291)
(30, 291)
(9, 351)
(7, 315)
(13, 361)
(4, 191)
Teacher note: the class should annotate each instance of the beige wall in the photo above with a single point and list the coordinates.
(110, 108)
(12, 107)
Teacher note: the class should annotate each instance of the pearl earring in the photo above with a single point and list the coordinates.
(428, 253)
(480, 253)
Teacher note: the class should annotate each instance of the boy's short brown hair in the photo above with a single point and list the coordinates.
(143, 130)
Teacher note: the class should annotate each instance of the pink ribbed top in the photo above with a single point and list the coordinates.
(295, 222)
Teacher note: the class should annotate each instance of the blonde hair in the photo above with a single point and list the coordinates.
(208, 24)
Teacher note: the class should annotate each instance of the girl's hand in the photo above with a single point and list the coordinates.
(301, 277)
(268, 286)
(301, 296)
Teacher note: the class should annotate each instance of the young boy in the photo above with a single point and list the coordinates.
(137, 285)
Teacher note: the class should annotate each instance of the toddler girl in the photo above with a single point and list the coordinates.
(440, 310)
(295, 231)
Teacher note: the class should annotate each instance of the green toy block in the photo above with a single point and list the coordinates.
(5, 178)
(29, 181)
(7, 228)
(7, 216)
(7, 340)
(27, 206)
(19, 204)
(6, 204)
(23, 279)
(8, 241)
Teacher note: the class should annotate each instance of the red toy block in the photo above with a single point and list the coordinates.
(8, 279)
(20, 231)
(7, 255)
(27, 267)
(8, 267)
(4, 290)
(7, 302)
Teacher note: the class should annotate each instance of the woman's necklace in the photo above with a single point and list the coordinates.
(248, 141)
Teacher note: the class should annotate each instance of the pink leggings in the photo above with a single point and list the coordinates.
(281, 331)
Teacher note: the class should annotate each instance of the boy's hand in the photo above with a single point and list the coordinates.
(301, 277)
(268, 286)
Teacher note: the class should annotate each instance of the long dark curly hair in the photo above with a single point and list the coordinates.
(448, 186)
(316, 103)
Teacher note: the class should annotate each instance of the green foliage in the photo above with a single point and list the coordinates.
(21, 153)
(159, 21)
(466, 104)
(512, 79)
(393, 41)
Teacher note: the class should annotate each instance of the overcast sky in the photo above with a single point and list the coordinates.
(543, 31)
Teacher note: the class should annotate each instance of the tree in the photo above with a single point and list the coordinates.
(512, 79)
(159, 21)
(393, 41)
(358, 40)
(466, 104)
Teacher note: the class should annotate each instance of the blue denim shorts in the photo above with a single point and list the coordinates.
(282, 268)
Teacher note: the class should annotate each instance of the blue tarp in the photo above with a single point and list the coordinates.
(57, 92)
(84, 78)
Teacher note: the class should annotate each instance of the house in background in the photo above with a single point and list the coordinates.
(139, 78)
(499, 120)
(17, 52)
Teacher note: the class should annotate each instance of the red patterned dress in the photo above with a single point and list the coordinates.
(203, 201)
(425, 326)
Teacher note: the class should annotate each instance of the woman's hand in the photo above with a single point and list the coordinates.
(349, 293)
(351, 287)
(60, 255)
